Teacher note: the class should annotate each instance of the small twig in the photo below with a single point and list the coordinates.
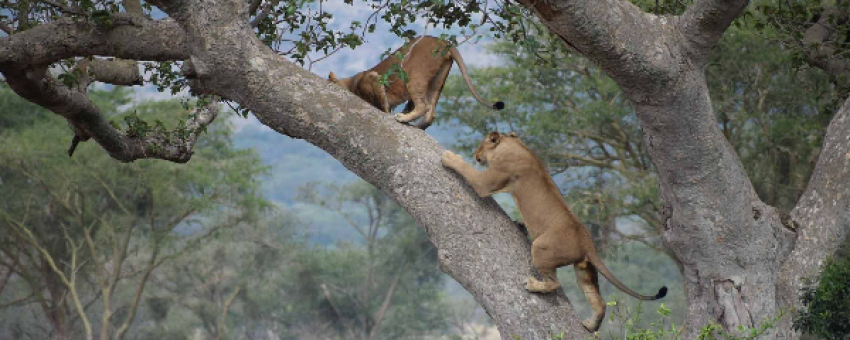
(64, 8)
(5, 27)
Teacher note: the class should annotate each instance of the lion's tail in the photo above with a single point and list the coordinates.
(594, 258)
(459, 60)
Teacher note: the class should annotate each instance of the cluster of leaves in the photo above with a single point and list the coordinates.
(827, 304)
(714, 331)
(519, 26)
(165, 75)
(27, 14)
(306, 31)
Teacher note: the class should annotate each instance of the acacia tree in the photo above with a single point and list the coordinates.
(741, 262)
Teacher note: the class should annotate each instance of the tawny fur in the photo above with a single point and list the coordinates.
(427, 62)
(559, 238)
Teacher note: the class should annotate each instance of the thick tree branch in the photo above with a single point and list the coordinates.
(130, 37)
(704, 22)
(822, 216)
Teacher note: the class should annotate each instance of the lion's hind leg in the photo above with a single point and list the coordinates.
(435, 88)
(588, 281)
(418, 94)
(546, 263)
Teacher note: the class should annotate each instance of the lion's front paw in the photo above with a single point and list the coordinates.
(451, 159)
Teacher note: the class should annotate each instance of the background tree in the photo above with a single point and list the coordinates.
(242, 285)
(742, 258)
(79, 234)
(386, 285)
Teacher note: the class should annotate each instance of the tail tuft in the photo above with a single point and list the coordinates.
(661, 292)
(499, 105)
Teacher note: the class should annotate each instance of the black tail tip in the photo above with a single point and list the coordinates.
(499, 105)
(661, 292)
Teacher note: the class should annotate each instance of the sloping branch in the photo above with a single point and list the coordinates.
(704, 22)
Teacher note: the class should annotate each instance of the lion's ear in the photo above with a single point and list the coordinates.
(494, 137)
(332, 77)
(513, 134)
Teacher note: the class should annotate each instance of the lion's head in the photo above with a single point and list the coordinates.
(487, 147)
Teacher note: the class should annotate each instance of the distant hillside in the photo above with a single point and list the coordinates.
(294, 162)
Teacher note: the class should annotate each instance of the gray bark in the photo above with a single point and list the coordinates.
(733, 247)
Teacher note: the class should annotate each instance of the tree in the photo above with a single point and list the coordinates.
(242, 285)
(742, 259)
(83, 238)
(386, 284)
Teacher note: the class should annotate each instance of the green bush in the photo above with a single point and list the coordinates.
(827, 305)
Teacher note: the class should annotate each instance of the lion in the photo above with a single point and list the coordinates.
(558, 238)
(427, 66)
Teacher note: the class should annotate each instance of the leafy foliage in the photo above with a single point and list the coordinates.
(827, 304)
(88, 230)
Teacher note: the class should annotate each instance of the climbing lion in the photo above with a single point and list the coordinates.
(559, 238)
(427, 64)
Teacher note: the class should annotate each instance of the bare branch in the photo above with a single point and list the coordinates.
(115, 72)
